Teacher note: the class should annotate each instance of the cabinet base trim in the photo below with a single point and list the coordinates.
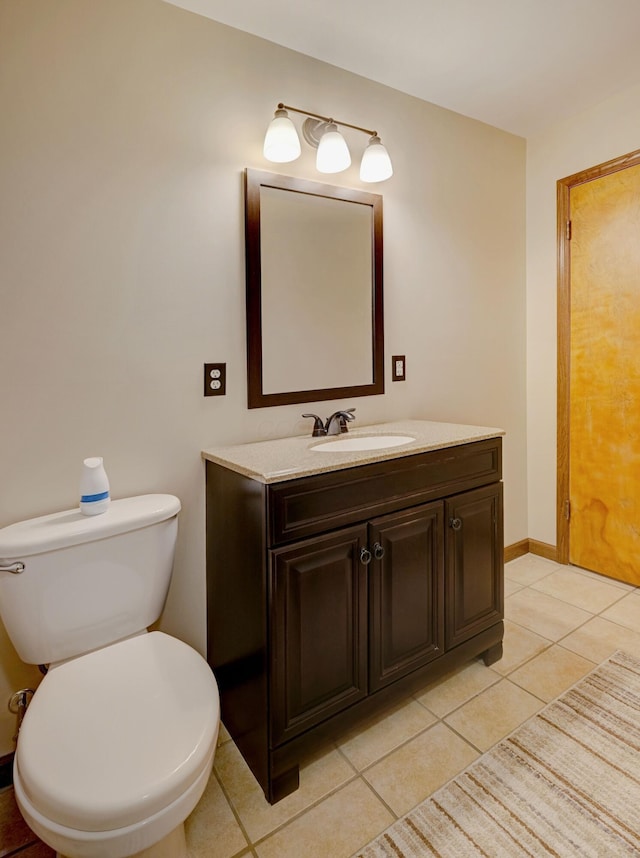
(492, 655)
(284, 784)
(284, 759)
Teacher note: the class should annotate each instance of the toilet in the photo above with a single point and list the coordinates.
(117, 744)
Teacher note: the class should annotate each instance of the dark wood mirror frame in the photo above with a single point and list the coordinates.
(257, 398)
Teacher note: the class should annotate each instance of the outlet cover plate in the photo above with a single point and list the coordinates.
(215, 379)
(398, 368)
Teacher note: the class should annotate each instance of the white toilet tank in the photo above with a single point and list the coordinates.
(88, 581)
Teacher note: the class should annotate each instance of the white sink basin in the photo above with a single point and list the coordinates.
(363, 442)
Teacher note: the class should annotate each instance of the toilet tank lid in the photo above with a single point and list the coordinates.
(71, 527)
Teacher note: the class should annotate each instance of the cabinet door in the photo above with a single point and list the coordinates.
(318, 630)
(474, 563)
(406, 591)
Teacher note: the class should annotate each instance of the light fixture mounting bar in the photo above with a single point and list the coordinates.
(282, 106)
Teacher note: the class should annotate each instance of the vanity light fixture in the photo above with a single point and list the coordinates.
(333, 153)
(282, 144)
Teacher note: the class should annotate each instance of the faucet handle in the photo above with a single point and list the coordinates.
(318, 426)
(345, 415)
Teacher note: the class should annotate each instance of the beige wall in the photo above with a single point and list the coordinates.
(125, 130)
(590, 138)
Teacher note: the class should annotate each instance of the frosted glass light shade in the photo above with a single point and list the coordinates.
(333, 153)
(281, 142)
(376, 163)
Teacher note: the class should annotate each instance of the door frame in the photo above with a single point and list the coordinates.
(564, 186)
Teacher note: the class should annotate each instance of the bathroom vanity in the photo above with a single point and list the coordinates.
(339, 582)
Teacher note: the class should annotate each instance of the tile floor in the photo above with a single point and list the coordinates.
(560, 622)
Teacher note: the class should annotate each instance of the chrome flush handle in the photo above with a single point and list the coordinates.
(14, 568)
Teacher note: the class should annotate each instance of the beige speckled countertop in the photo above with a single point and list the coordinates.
(290, 458)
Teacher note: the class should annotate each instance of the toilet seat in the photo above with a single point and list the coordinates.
(115, 736)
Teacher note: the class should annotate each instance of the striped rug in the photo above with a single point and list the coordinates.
(566, 783)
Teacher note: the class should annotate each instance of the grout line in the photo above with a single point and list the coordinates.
(382, 801)
(235, 814)
(351, 764)
(568, 601)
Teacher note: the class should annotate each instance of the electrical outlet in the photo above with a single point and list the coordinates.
(398, 368)
(215, 379)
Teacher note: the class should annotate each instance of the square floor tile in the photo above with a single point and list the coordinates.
(545, 615)
(378, 736)
(493, 714)
(335, 828)
(529, 568)
(600, 638)
(552, 672)
(519, 645)
(626, 612)
(446, 695)
(570, 586)
(407, 776)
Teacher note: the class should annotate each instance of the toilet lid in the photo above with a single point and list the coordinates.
(114, 736)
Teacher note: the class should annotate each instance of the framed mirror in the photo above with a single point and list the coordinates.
(314, 291)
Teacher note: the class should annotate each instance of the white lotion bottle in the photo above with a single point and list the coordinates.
(94, 487)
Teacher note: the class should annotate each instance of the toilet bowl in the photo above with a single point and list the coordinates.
(116, 748)
(117, 744)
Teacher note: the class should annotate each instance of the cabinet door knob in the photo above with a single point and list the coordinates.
(365, 556)
(378, 551)
(455, 523)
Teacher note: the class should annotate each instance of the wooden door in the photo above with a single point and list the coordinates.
(474, 572)
(318, 596)
(604, 375)
(406, 592)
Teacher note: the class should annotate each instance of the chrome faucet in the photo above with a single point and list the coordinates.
(337, 423)
(334, 425)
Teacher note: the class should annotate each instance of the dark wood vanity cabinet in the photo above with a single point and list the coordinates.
(331, 596)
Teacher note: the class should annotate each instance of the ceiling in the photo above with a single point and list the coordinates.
(520, 65)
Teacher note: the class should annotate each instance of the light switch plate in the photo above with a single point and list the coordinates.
(398, 368)
(215, 379)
